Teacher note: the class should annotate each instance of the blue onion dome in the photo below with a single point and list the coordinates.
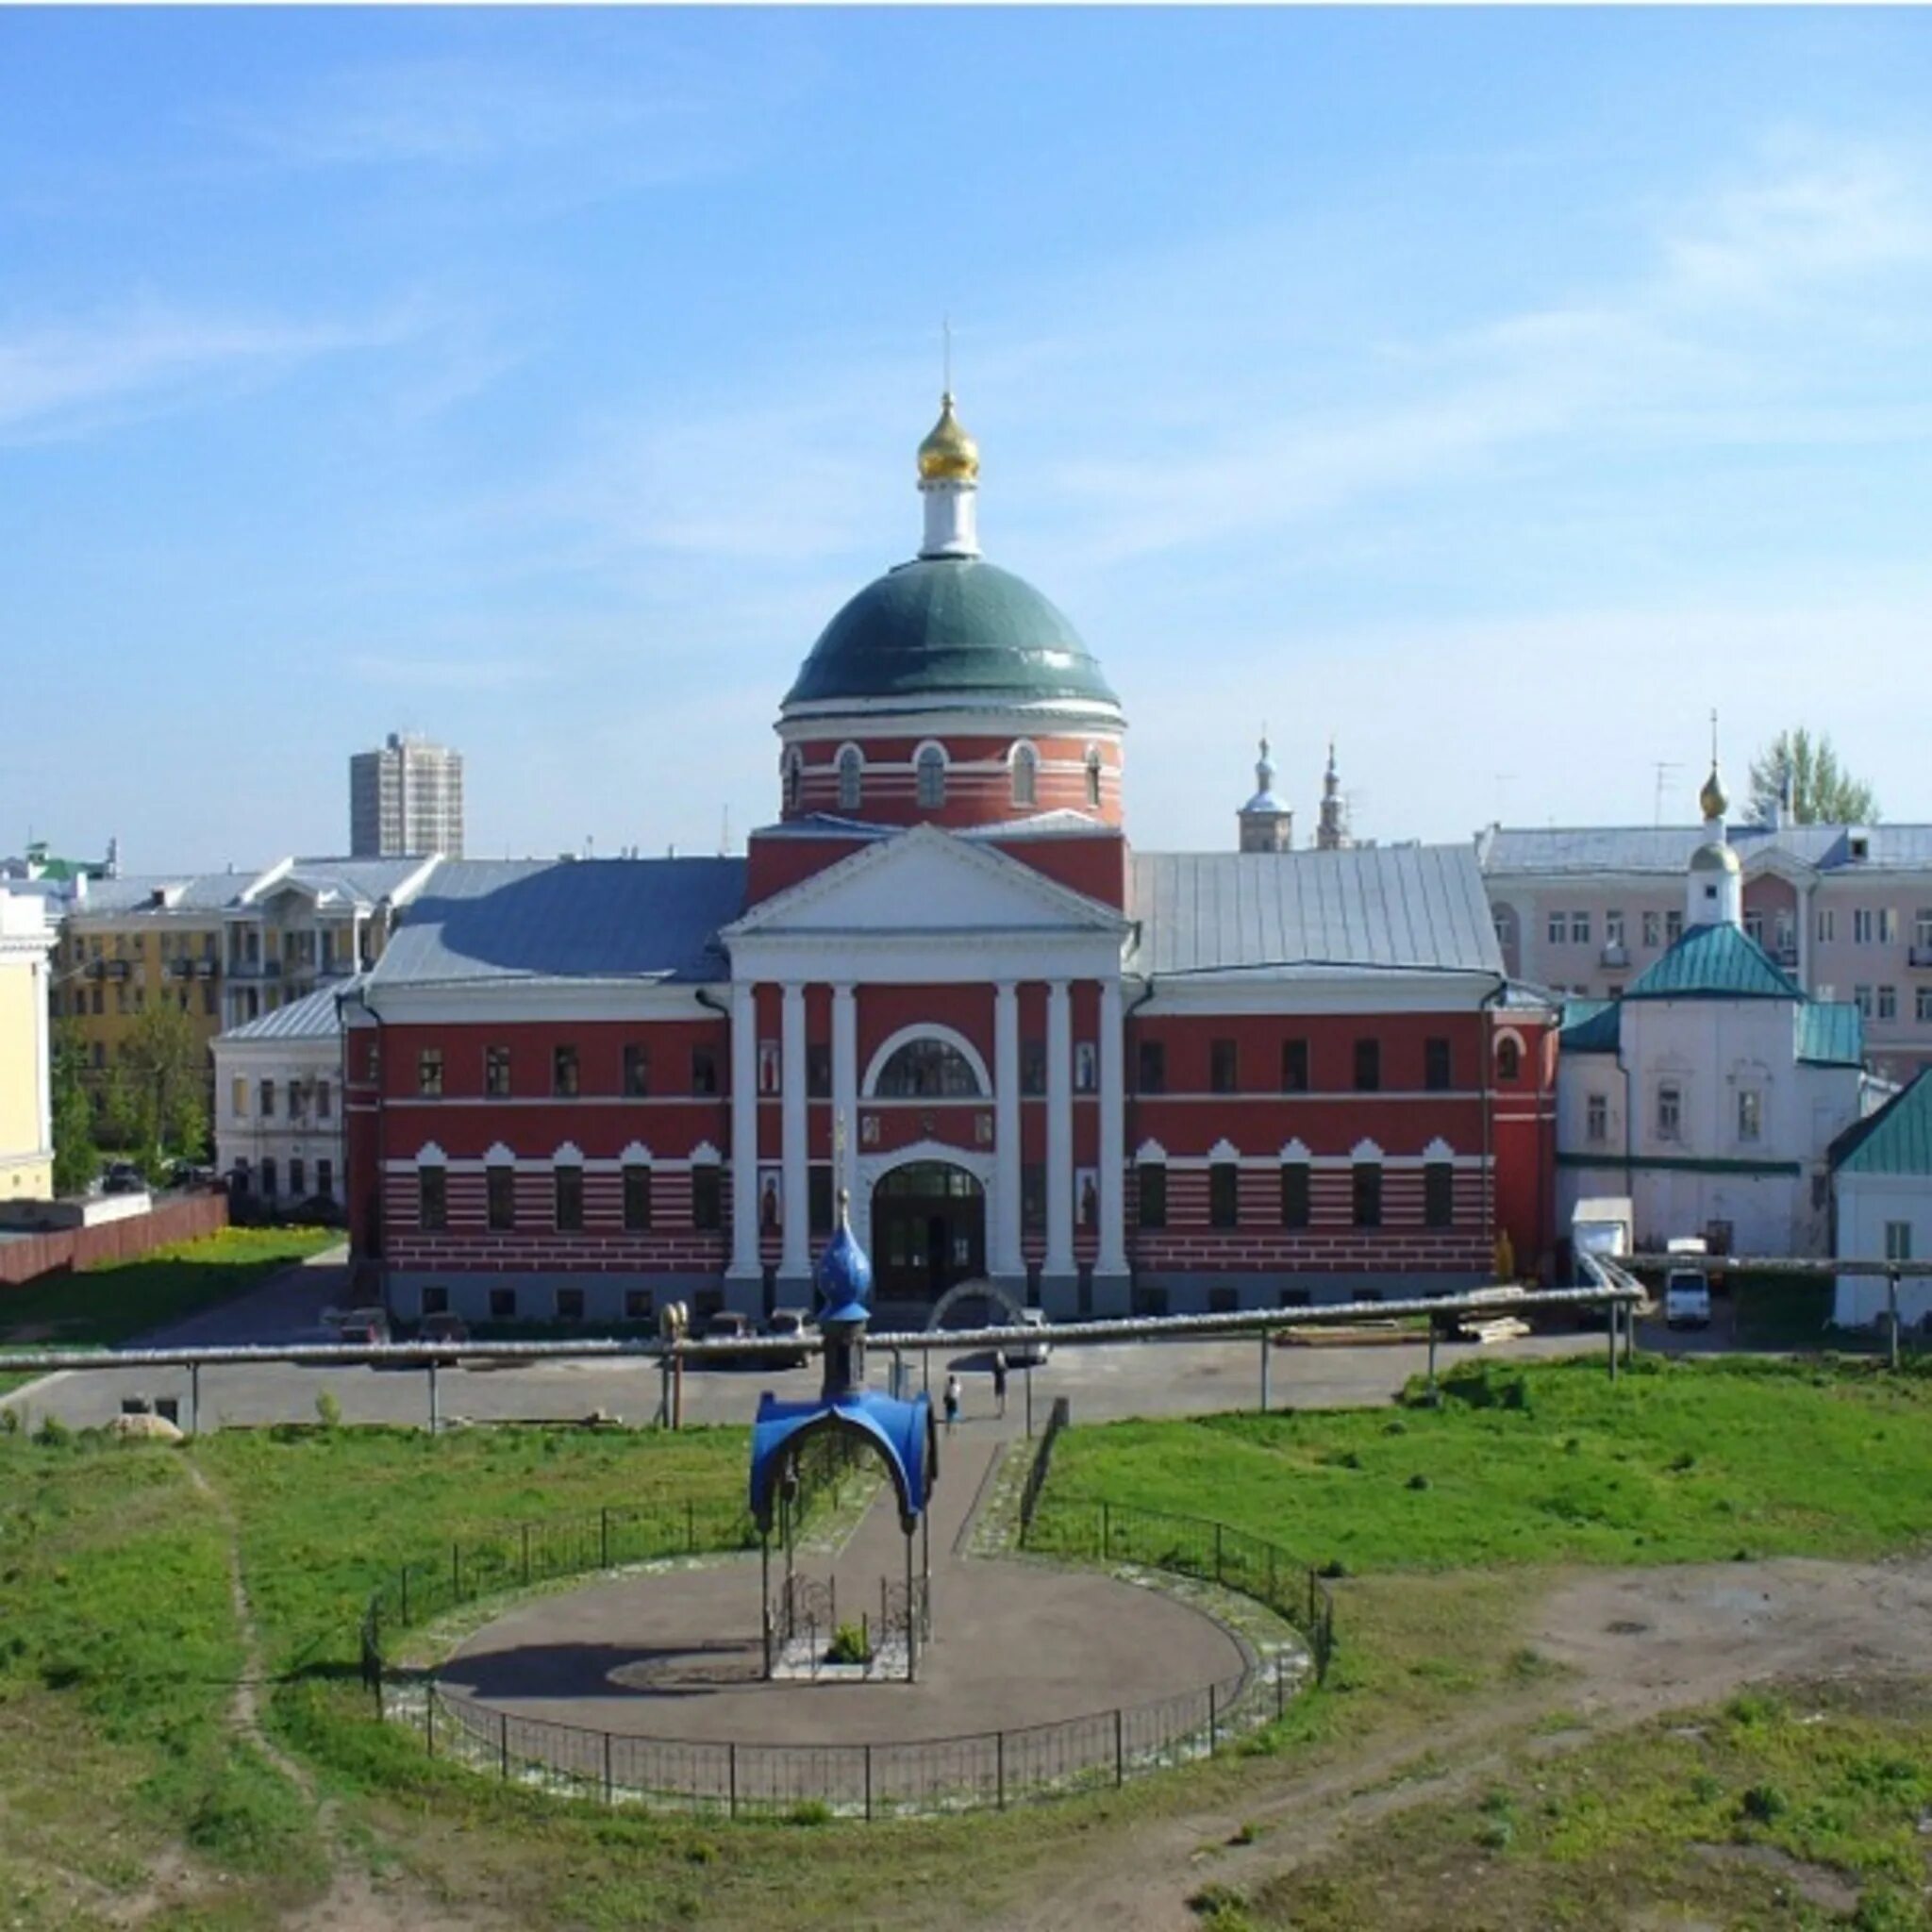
(844, 1275)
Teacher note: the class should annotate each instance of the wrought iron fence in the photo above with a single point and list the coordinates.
(1057, 1418)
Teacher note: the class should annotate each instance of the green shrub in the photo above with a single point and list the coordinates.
(53, 1433)
(850, 1644)
(328, 1411)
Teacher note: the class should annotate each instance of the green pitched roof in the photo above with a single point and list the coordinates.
(950, 623)
(1895, 1139)
(1831, 1033)
(1714, 962)
(1588, 1026)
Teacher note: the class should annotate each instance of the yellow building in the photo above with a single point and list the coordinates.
(27, 1126)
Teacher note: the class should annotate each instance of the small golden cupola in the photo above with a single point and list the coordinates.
(1711, 800)
(948, 455)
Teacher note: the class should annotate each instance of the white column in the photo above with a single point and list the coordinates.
(844, 1086)
(1009, 1262)
(797, 1261)
(744, 1135)
(1113, 1128)
(1059, 1131)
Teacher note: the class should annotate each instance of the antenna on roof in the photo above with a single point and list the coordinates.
(1666, 770)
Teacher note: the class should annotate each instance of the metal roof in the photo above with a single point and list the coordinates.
(360, 881)
(1415, 906)
(1564, 851)
(207, 892)
(1895, 1139)
(481, 919)
(1589, 1026)
(314, 1016)
(1714, 962)
(1831, 1033)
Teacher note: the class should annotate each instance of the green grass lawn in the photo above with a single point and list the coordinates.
(1680, 1460)
(102, 1306)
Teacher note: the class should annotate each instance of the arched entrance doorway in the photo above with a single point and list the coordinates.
(928, 1230)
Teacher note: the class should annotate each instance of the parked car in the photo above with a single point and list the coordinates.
(365, 1327)
(443, 1328)
(1687, 1292)
(1033, 1354)
(124, 1177)
(793, 1328)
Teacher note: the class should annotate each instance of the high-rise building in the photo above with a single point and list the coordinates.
(405, 797)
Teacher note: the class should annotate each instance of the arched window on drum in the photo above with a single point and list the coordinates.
(930, 772)
(851, 778)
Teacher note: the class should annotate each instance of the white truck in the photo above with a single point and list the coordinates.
(1687, 1291)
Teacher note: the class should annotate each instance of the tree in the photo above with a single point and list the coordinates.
(160, 1078)
(76, 1160)
(1823, 792)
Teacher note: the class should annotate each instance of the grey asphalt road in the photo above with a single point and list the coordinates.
(1102, 1382)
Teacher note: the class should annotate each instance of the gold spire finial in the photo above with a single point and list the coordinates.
(1711, 799)
(948, 455)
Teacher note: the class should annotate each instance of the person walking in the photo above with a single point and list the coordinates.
(952, 1402)
(999, 1379)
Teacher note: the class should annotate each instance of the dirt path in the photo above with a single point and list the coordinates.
(1634, 1643)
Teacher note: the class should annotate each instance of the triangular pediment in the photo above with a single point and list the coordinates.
(927, 881)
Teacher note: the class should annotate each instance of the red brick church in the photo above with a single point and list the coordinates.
(1111, 1080)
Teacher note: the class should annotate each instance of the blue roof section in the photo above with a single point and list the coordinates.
(1714, 962)
(1831, 1033)
(1559, 851)
(1420, 907)
(1589, 1026)
(482, 919)
(1895, 1139)
(314, 1016)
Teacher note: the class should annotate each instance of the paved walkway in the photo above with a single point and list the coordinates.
(678, 1655)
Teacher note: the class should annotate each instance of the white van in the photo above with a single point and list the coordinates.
(1687, 1292)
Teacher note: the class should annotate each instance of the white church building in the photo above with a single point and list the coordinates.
(1712, 1091)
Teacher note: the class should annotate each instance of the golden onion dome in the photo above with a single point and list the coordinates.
(948, 455)
(1715, 856)
(1712, 797)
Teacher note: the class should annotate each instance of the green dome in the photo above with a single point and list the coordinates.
(946, 625)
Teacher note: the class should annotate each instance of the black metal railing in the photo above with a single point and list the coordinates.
(1057, 1418)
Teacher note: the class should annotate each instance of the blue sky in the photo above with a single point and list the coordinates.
(1499, 390)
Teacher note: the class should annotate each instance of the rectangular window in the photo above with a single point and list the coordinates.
(1921, 1003)
(1579, 928)
(1033, 1066)
(268, 1185)
(1898, 1241)
(1674, 926)
(325, 1179)
(496, 1072)
(1754, 927)
(1888, 1003)
(1153, 1067)
(1368, 1066)
(1653, 928)
(436, 1301)
(1223, 1067)
(637, 1196)
(1153, 1193)
(818, 1200)
(1827, 925)
(500, 1187)
(324, 1101)
(1223, 1195)
(1436, 1066)
(1558, 928)
(570, 1305)
(1887, 925)
(1862, 998)
(1295, 1193)
(818, 1070)
(706, 1197)
(1368, 1193)
(637, 1070)
(1596, 1118)
(1033, 1196)
(1670, 1111)
(297, 1173)
(238, 1098)
(1294, 1066)
(704, 1070)
(1439, 1194)
(268, 1100)
(503, 1304)
(429, 1070)
(1750, 1115)
(1922, 930)
(639, 1304)
(563, 1070)
(1863, 925)
(432, 1199)
(570, 1199)
(1613, 928)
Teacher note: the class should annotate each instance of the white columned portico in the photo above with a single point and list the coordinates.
(744, 1283)
(795, 1269)
(1111, 1268)
(1009, 1262)
(1057, 1273)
